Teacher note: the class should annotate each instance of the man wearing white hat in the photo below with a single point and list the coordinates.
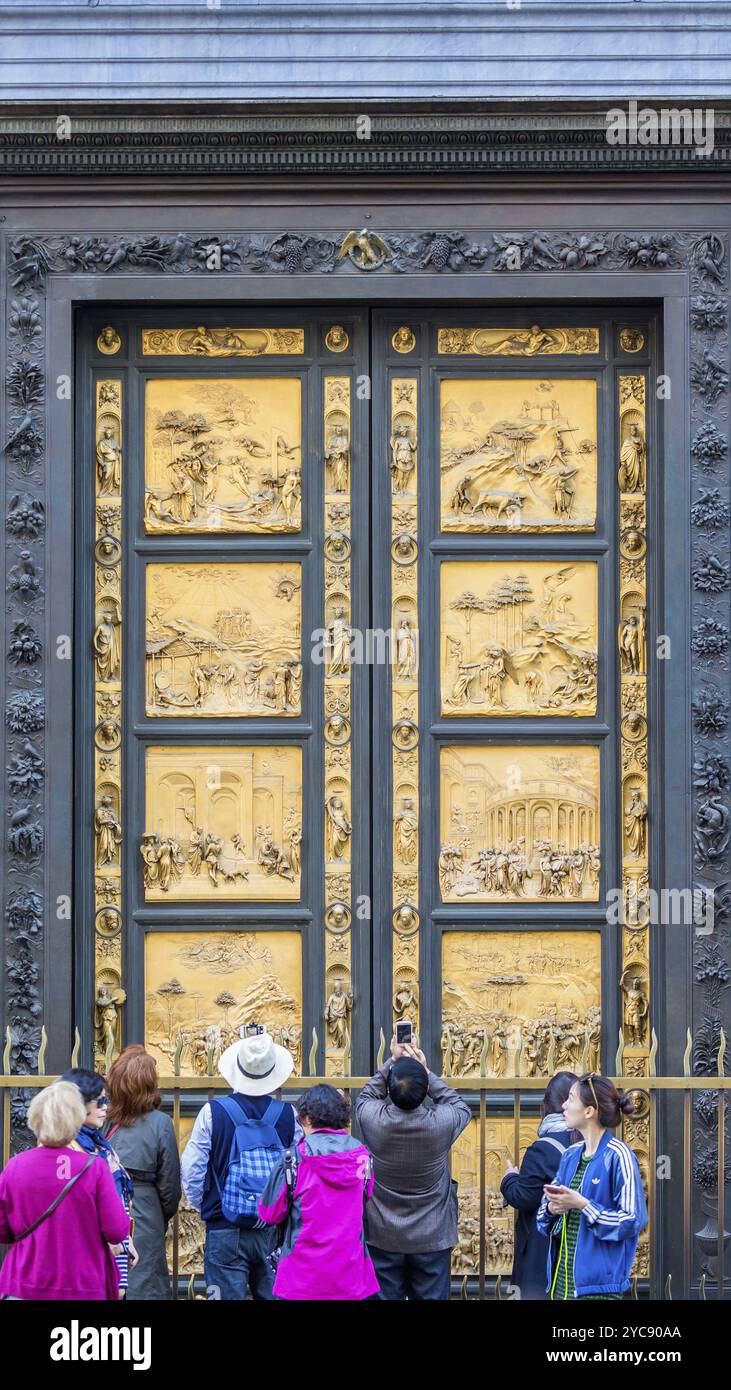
(236, 1141)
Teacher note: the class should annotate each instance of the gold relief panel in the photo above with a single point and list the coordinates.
(517, 342)
(223, 824)
(519, 823)
(223, 454)
(499, 1219)
(224, 639)
(518, 454)
(222, 342)
(201, 987)
(191, 1229)
(519, 638)
(529, 1001)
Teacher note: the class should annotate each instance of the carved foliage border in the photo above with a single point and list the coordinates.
(32, 259)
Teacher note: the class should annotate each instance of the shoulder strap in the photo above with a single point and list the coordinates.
(291, 1164)
(272, 1113)
(50, 1210)
(230, 1108)
(546, 1139)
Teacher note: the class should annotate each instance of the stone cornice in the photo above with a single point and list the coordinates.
(308, 141)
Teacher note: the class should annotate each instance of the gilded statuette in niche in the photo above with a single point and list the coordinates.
(525, 997)
(222, 342)
(224, 639)
(518, 455)
(519, 823)
(223, 454)
(518, 638)
(517, 342)
(223, 823)
(202, 987)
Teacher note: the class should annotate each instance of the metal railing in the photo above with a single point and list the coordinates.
(491, 1098)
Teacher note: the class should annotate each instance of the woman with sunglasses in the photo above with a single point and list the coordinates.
(595, 1208)
(90, 1139)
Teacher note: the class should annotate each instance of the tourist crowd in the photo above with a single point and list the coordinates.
(295, 1206)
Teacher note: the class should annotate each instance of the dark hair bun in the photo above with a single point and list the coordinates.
(625, 1103)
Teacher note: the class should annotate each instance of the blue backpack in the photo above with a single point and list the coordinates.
(255, 1148)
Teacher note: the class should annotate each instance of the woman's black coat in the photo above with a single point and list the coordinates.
(524, 1191)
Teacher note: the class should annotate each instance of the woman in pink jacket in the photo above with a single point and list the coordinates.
(59, 1210)
(320, 1188)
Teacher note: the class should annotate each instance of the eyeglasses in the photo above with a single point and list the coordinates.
(101, 1100)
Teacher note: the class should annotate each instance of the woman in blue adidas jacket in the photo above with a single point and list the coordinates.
(595, 1208)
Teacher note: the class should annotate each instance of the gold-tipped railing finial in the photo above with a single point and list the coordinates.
(42, 1051)
(668, 1291)
(721, 1058)
(380, 1055)
(619, 1059)
(483, 1054)
(178, 1052)
(651, 1066)
(702, 1288)
(688, 1054)
(76, 1049)
(312, 1061)
(347, 1055)
(6, 1052)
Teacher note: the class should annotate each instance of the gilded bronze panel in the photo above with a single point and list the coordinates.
(201, 987)
(518, 454)
(223, 824)
(222, 342)
(519, 823)
(224, 639)
(499, 1219)
(526, 1002)
(517, 342)
(519, 638)
(223, 454)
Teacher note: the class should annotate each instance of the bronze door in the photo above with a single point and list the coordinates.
(365, 736)
(224, 730)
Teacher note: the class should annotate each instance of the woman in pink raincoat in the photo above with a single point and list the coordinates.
(320, 1188)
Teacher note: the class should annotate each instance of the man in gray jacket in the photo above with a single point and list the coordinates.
(412, 1216)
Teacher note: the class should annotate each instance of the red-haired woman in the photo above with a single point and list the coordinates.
(144, 1139)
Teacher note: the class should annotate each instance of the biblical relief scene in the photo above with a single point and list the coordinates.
(223, 454)
(224, 639)
(201, 988)
(517, 342)
(518, 455)
(519, 823)
(519, 637)
(499, 1219)
(223, 824)
(524, 1003)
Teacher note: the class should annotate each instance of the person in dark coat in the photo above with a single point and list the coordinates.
(144, 1138)
(522, 1187)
